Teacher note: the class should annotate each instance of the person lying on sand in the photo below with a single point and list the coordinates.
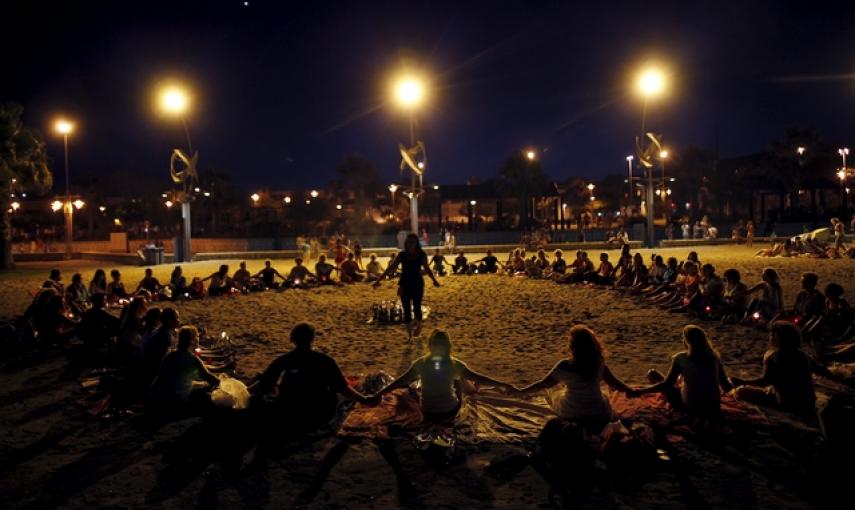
(306, 383)
(442, 378)
(695, 379)
(573, 384)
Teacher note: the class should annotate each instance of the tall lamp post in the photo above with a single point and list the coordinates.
(65, 128)
(175, 101)
(650, 84)
(409, 93)
(843, 173)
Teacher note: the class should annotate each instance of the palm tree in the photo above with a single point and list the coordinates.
(23, 165)
(524, 179)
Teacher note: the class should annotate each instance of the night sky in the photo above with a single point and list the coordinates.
(285, 90)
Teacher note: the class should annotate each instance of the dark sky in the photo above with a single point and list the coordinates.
(285, 90)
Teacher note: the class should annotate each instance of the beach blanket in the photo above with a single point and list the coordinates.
(489, 417)
(485, 417)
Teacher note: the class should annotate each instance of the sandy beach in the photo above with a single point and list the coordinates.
(54, 454)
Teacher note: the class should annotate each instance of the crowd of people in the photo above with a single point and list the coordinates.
(301, 391)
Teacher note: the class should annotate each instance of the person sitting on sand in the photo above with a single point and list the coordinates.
(307, 384)
(710, 292)
(324, 270)
(834, 319)
(196, 289)
(178, 282)
(350, 271)
(695, 379)
(52, 323)
(809, 304)
(220, 282)
(559, 265)
(603, 274)
(573, 384)
(532, 269)
(542, 262)
(787, 379)
(98, 283)
(488, 264)
(581, 269)
(54, 282)
(98, 327)
(623, 274)
(116, 288)
(686, 290)
(735, 297)
(667, 281)
(373, 269)
(442, 378)
(438, 262)
(300, 275)
(461, 264)
(242, 280)
(268, 275)
(159, 344)
(76, 294)
(130, 343)
(771, 301)
(149, 285)
(183, 384)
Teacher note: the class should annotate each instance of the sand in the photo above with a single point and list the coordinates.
(510, 328)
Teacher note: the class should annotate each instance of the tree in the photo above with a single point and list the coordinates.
(524, 179)
(23, 165)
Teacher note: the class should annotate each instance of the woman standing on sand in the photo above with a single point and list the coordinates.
(411, 285)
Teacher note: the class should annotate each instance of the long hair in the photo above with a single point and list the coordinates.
(439, 337)
(586, 350)
(698, 343)
(99, 278)
(413, 240)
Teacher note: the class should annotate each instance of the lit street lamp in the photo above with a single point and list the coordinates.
(410, 92)
(650, 83)
(174, 101)
(65, 128)
(392, 189)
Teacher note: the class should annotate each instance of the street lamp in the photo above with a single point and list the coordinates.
(255, 198)
(651, 82)
(174, 100)
(392, 189)
(530, 155)
(410, 92)
(287, 200)
(314, 193)
(65, 127)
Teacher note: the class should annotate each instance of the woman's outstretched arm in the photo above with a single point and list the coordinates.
(548, 381)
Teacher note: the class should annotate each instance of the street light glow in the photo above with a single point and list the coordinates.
(287, 200)
(169, 204)
(530, 154)
(56, 205)
(78, 204)
(651, 82)
(473, 202)
(409, 91)
(338, 206)
(800, 150)
(174, 100)
(591, 186)
(314, 193)
(663, 154)
(15, 205)
(841, 174)
(393, 188)
(630, 158)
(102, 208)
(843, 151)
(64, 127)
(255, 197)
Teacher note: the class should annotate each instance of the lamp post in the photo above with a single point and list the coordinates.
(65, 128)
(650, 83)
(175, 101)
(843, 174)
(392, 189)
(409, 93)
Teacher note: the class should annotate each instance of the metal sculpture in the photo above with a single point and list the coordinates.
(414, 158)
(182, 169)
(647, 153)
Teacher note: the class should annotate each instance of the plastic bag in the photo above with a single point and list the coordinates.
(231, 394)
